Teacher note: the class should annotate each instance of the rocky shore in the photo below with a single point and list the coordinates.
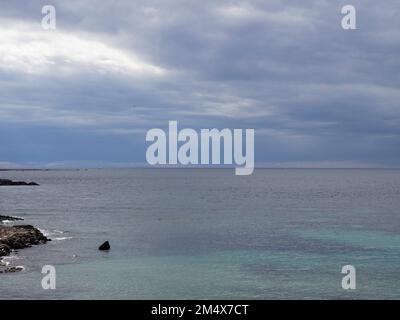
(17, 237)
(7, 182)
(9, 218)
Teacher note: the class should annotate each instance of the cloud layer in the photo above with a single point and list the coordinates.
(88, 91)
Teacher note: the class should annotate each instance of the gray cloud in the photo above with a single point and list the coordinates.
(312, 91)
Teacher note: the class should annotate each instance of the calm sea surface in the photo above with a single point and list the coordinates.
(208, 234)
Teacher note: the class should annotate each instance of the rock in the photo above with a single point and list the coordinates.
(7, 182)
(9, 218)
(19, 237)
(13, 269)
(105, 246)
(4, 250)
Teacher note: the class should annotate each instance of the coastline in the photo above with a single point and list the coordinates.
(17, 237)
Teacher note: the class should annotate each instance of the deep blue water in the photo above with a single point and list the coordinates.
(206, 233)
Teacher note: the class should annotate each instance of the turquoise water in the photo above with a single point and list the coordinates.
(208, 234)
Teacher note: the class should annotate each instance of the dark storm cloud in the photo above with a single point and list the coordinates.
(112, 70)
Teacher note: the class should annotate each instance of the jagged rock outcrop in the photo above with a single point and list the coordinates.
(7, 182)
(9, 218)
(19, 237)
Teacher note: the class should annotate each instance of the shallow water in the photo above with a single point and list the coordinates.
(206, 233)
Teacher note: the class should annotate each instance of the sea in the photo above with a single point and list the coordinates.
(207, 233)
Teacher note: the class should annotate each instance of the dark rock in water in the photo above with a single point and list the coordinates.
(7, 182)
(105, 246)
(4, 250)
(13, 269)
(9, 218)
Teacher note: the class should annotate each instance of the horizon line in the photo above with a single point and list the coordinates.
(189, 167)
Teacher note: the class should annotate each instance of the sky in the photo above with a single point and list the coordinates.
(86, 93)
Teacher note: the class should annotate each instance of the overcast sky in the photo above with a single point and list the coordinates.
(86, 93)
